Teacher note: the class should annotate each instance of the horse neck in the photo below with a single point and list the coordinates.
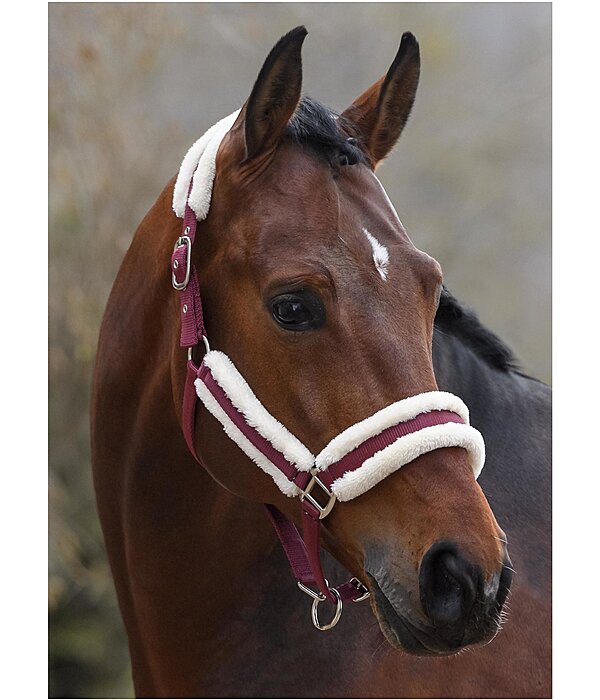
(513, 413)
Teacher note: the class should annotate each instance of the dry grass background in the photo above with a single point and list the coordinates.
(133, 85)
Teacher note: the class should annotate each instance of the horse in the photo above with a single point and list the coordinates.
(311, 285)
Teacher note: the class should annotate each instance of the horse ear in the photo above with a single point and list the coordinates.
(275, 95)
(380, 113)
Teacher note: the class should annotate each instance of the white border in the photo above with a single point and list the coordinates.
(235, 434)
(24, 280)
(406, 449)
(395, 413)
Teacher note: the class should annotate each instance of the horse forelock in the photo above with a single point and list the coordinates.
(320, 129)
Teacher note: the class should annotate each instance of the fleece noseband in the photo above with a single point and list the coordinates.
(356, 459)
(352, 463)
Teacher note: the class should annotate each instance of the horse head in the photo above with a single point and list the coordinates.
(312, 286)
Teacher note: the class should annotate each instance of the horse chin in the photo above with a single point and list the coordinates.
(406, 637)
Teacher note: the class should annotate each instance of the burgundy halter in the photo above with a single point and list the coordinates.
(316, 496)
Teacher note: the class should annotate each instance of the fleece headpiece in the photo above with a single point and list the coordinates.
(198, 169)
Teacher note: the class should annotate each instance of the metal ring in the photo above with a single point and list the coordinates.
(336, 617)
(206, 345)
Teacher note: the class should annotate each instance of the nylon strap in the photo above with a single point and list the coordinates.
(184, 273)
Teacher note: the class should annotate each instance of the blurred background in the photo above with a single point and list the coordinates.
(133, 85)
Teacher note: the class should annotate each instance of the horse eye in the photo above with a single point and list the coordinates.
(297, 312)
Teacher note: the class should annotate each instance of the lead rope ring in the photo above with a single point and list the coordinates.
(318, 597)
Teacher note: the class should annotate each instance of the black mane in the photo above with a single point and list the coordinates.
(454, 319)
(317, 127)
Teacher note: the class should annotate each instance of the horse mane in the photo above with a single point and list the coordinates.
(325, 132)
(463, 323)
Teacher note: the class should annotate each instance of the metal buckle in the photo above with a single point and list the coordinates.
(323, 510)
(182, 241)
(359, 587)
(318, 597)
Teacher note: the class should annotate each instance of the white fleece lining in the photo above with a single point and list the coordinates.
(393, 414)
(234, 433)
(351, 484)
(405, 450)
(242, 397)
(199, 164)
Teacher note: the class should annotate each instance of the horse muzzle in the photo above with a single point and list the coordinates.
(459, 607)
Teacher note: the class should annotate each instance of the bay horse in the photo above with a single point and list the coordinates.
(312, 287)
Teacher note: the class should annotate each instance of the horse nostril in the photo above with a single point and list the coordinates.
(448, 585)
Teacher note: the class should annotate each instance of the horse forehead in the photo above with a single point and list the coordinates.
(303, 192)
(301, 208)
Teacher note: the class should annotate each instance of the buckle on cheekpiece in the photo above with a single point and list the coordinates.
(182, 242)
(323, 510)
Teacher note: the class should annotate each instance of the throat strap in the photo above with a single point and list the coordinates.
(190, 404)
